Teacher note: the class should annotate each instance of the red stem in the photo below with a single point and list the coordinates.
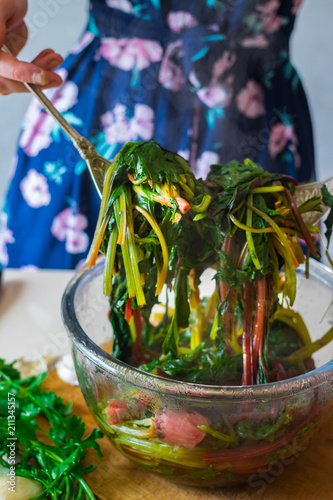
(128, 310)
(248, 378)
(259, 322)
(138, 321)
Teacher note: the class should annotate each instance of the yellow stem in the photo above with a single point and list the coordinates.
(202, 207)
(249, 228)
(267, 189)
(278, 231)
(162, 274)
(123, 219)
(102, 219)
(307, 351)
(249, 239)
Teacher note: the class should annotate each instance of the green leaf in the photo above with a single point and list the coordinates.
(46, 463)
(328, 201)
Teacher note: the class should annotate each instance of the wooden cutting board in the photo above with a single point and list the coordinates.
(309, 477)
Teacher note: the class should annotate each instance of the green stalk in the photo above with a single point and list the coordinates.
(162, 451)
(68, 488)
(267, 189)
(294, 320)
(129, 431)
(279, 232)
(186, 189)
(80, 492)
(87, 490)
(123, 218)
(202, 207)
(19, 387)
(162, 273)
(306, 351)
(197, 330)
(200, 216)
(311, 205)
(58, 459)
(249, 239)
(109, 262)
(101, 222)
(213, 331)
(125, 252)
(289, 270)
(130, 240)
(217, 434)
(248, 228)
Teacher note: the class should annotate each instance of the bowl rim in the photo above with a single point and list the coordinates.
(130, 374)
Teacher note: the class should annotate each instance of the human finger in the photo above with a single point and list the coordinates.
(11, 87)
(20, 71)
(48, 59)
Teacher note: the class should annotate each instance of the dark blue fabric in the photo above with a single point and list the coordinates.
(209, 79)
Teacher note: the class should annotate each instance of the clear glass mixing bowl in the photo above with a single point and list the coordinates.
(165, 426)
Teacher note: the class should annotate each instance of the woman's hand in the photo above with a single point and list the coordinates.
(14, 33)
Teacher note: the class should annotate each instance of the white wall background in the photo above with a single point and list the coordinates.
(58, 23)
(52, 24)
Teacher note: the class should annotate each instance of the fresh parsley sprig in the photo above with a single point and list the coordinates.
(52, 451)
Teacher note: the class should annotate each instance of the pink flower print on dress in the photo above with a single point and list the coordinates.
(223, 64)
(76, 241)
(271, 22)
(184, 153)
(36, 130)
(207, 159)
(220, 90)
(180, 20)
(277, 140)
(119, 129)
(69, 227)
(127, 53)
(280, 136)
(6, 237)
(251, 100)
(37, 124)
(116, 126)
(142, 123)
(171, 76)
(124, 5)
(35, 189)
(218, 94)
(258, 41)
(84, 41)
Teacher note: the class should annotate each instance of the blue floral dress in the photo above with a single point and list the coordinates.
(210, 79)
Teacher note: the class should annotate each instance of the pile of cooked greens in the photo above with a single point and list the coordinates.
(160, 229)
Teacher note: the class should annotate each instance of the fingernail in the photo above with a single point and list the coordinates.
(39, 78)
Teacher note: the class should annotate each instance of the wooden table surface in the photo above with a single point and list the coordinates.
(308, 477)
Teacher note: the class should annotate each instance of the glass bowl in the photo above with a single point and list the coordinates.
(197, 434)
